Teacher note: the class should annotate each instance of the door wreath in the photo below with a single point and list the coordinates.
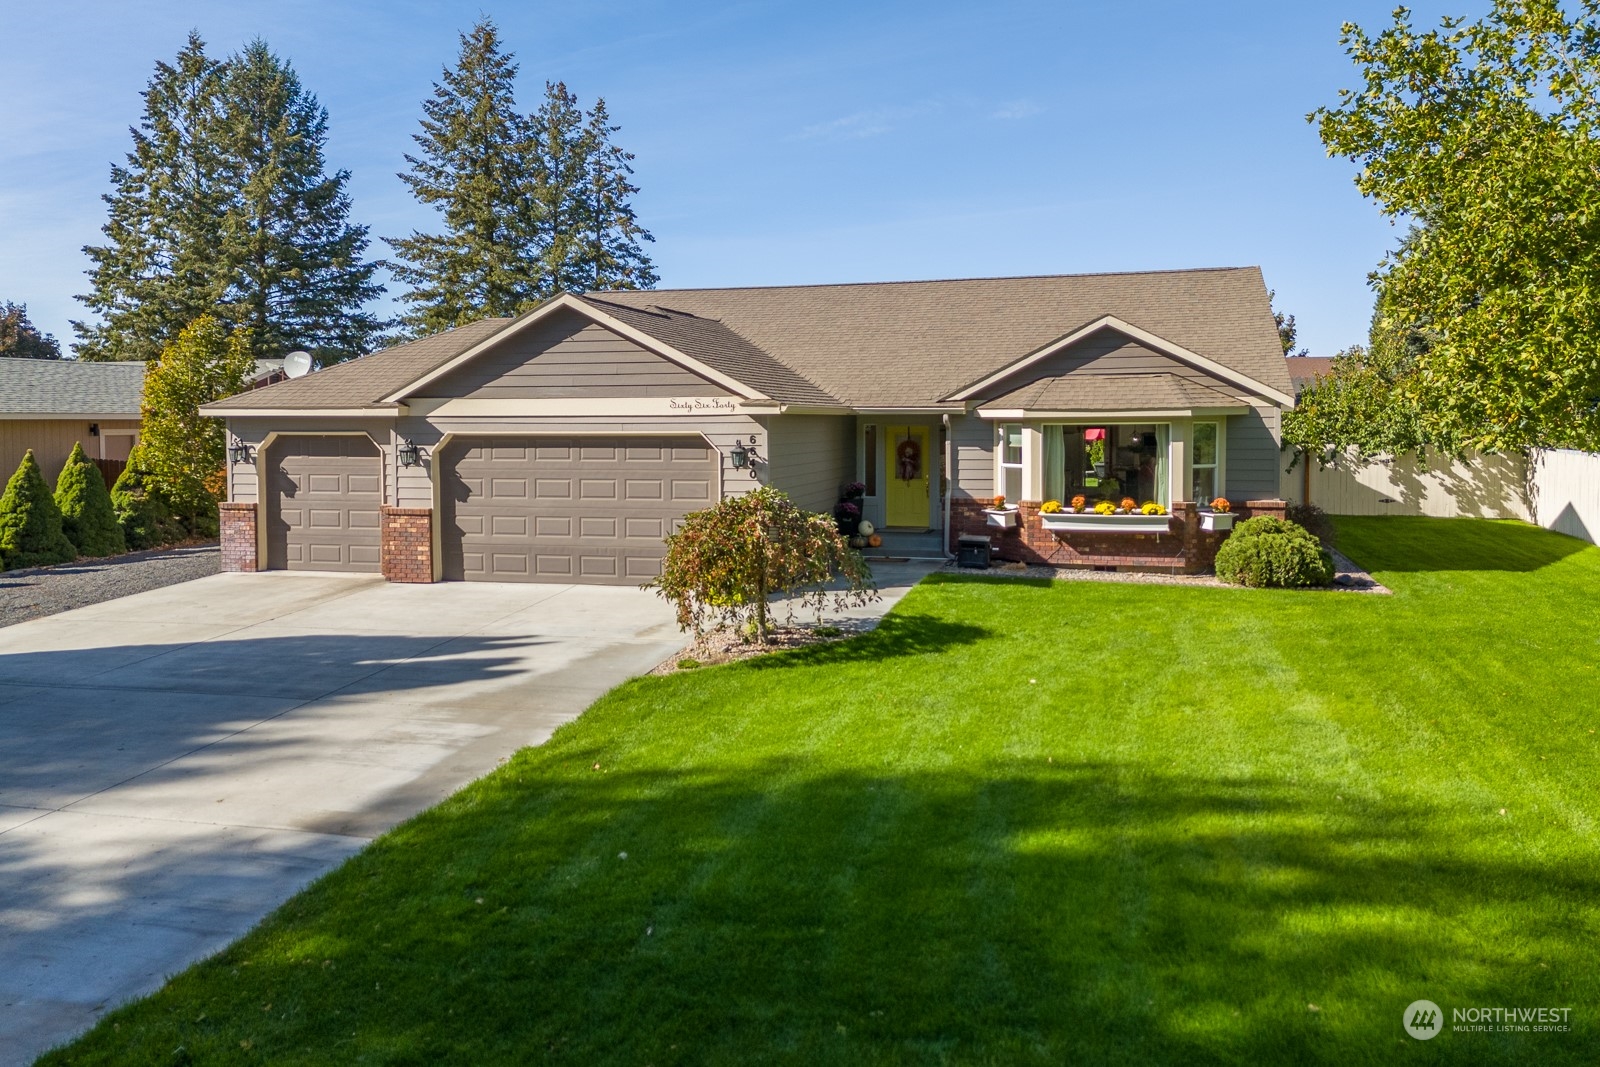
(908, 459)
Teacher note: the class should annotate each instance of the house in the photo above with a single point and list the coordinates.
(49, 405)
(563, 445)
(1305, 370)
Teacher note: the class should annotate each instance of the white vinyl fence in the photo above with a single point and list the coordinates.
(1565, 487)
(1485, 487)
(1558, 489)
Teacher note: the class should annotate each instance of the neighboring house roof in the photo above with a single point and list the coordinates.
(40, 387)
(1114, 392)
(1303, 370)
(365, 381)
(867, 345)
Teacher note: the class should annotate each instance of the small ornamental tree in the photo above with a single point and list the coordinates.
(725, 562)
(87, 517)
(186, 451)
(141, 509)
(30, 524)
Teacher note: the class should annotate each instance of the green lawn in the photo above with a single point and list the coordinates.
(1020, 823)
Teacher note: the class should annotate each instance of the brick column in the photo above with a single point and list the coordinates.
(1278, 509)
(238, 523)
(406, 548)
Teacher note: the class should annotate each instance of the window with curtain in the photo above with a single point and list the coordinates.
(1106, 462)
(1204, 445)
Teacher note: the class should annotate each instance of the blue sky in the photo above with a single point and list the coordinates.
(790, 143)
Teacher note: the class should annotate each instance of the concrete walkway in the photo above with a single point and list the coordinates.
(175, 764)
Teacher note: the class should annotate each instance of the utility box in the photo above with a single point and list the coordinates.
(972, 551)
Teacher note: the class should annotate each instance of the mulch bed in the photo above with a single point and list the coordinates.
(1347, 578)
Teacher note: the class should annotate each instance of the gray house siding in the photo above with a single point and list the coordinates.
(568, 356)
(972, 444)
(1253, 458)
(812, 457)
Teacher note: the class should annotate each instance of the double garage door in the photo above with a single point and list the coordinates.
(567, 509)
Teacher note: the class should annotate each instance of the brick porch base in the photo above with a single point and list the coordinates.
(1184, 547)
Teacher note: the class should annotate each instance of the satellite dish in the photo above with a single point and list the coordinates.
(297, 364)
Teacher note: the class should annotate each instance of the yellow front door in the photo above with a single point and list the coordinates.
(908, 460)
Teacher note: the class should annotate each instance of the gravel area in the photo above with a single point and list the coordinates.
(41, 591)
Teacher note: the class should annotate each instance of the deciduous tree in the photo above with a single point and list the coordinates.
(1484, 139)
(724, 562)
(185, 450)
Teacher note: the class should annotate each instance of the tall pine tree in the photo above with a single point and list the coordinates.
(159, 268)
(532, 206)
(224, 207)
(299, 280)
(610, 234)
(472, 168)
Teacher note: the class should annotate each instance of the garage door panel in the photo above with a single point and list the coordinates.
(508, 488)
(596, 510)
(323, 499)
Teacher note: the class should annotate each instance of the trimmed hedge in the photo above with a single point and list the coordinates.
(30, 522)
(87, 517)
(1273, 553)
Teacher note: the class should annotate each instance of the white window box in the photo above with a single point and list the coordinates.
(1002, 517)
(1216, 520)
(1089, 522)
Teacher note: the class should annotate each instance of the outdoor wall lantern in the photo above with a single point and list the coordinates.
(239, 452)
(94, 429)
(410, 454)
(745, 457)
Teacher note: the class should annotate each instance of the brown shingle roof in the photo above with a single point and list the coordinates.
(866, 345)
(364, 382)
(900, 344)
(1114, 392)
(1303, 370)
(717, 347)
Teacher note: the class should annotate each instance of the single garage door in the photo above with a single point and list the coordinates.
(323, 503)
(568, 509)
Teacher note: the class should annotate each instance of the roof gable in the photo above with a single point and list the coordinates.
(1039, 362)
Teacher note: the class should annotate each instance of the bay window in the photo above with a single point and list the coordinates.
(1105, 462)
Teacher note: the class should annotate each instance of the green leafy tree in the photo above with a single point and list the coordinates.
(141, 508)
(224, 206)
(724, 563)
(87, 517)
(471, 167)
(299, 280)
(160, 267)
(1482, 137)
(30, 523)
(186, 451)
(21, 339)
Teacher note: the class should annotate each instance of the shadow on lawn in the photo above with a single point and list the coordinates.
(1021, 912)
(1408, 543)
(898, 634)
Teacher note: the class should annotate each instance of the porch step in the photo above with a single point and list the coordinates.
(909, 544)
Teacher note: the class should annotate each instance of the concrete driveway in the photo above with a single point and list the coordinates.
(175, 764)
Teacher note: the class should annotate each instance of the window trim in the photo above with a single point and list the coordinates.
(1000, 464)
(1220, 466)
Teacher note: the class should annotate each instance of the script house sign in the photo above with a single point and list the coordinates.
(700, 404)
